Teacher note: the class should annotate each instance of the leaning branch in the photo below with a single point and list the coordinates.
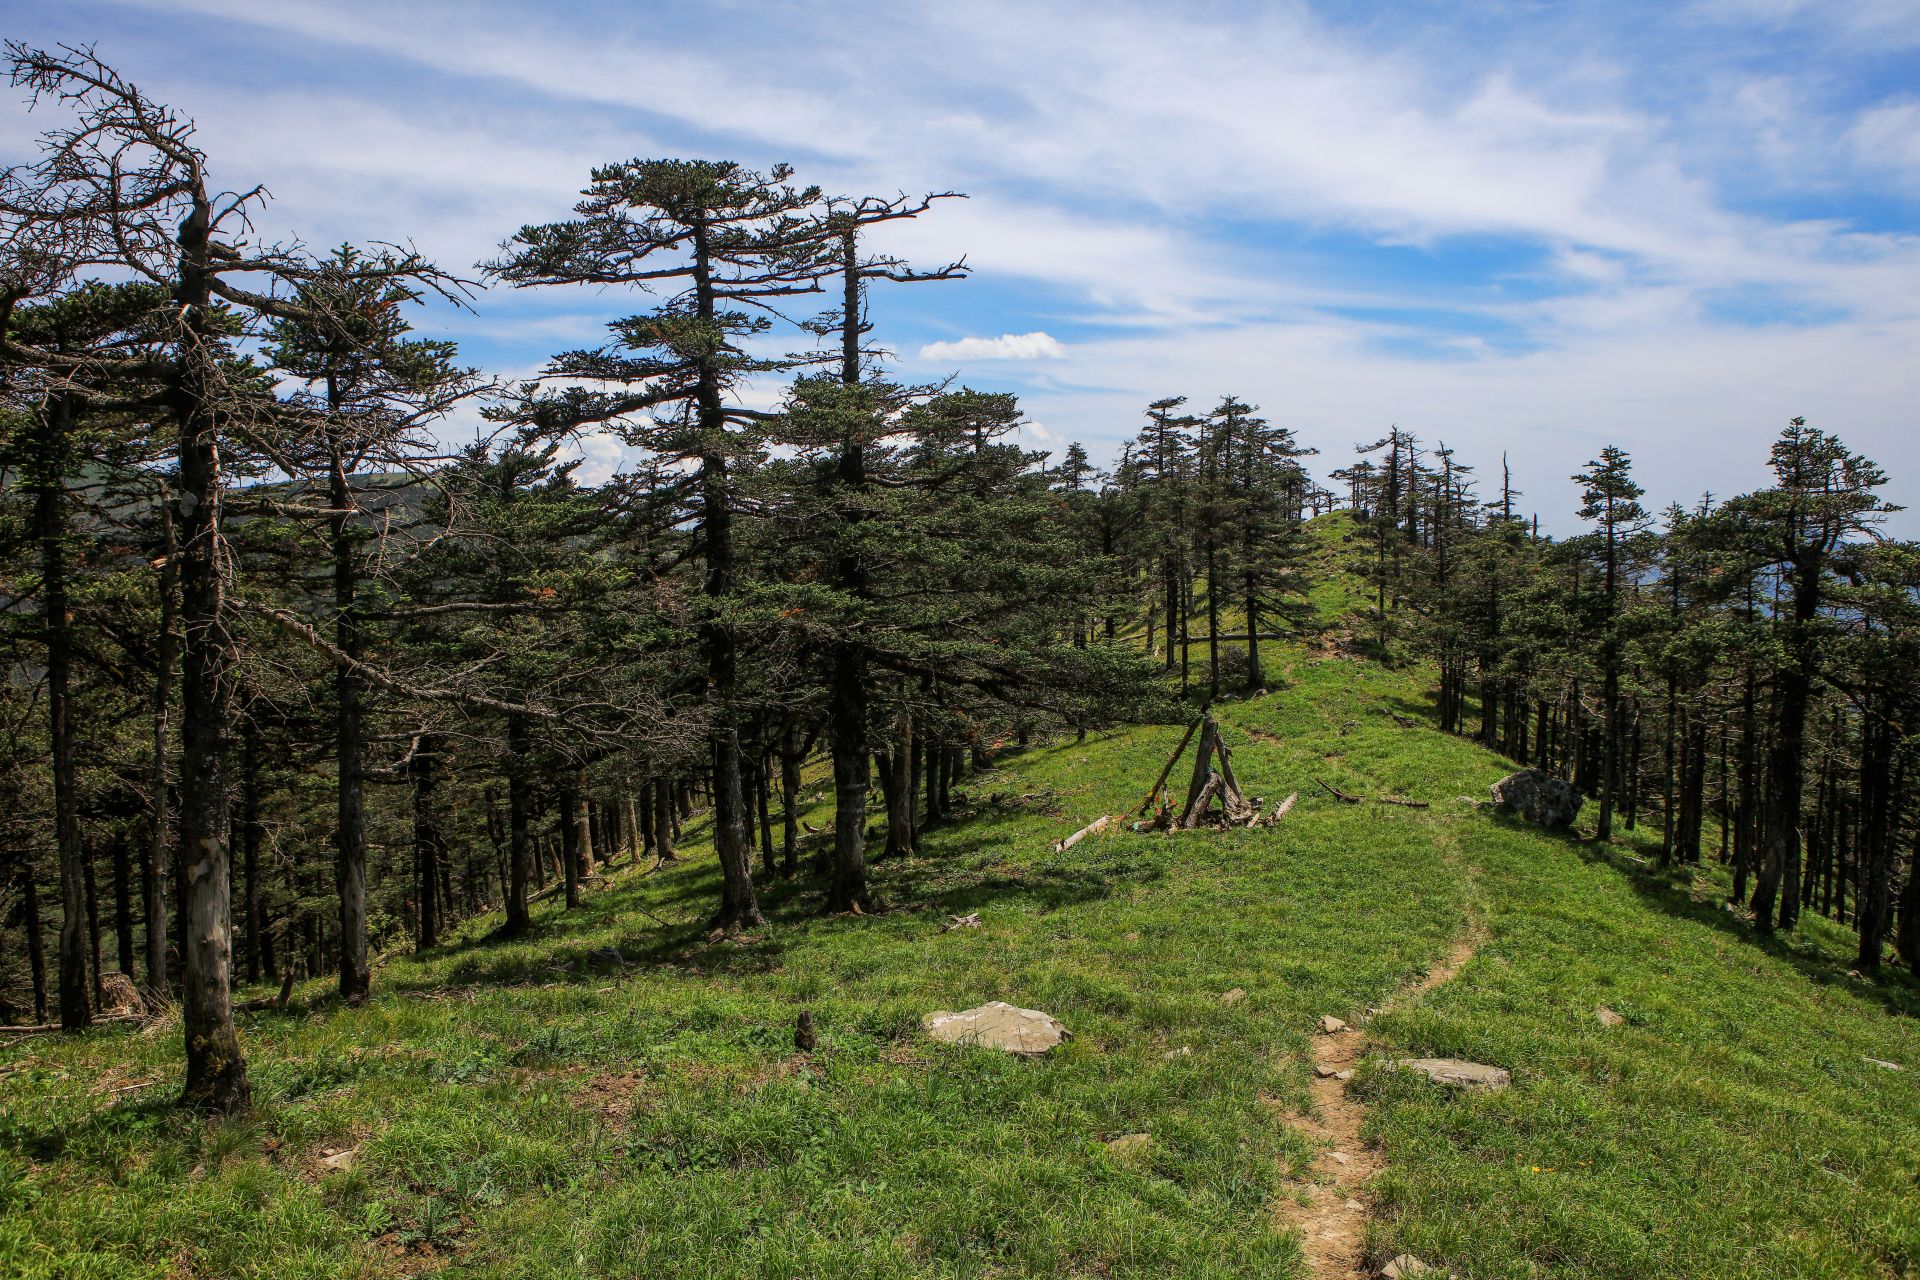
(293, 625)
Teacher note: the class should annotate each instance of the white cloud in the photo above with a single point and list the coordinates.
(1887, 137)
(1008, 346)
(1199, 191)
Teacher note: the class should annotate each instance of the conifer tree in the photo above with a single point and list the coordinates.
(1610, 498)
(733, 243)
(366, 392)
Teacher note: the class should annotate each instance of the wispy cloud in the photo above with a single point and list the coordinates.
(1008, 346)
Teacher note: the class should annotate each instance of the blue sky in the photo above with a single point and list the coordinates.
(1531, 227)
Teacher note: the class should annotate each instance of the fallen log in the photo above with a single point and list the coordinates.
(1341, 796)
(1097, 825)
(45, 1028)
(1282, 809)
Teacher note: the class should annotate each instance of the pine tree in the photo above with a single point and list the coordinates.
(1610, 498)
(730, 239)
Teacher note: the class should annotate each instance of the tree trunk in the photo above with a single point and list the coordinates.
(76, 1010)
(36, 941)
(572, 819)
(1907, 940)
(663, 820)
(350, 829)
(94, 989)
(583, 825)
(216, 1072)
(519, 847)
(157, 870)
(122, 902)
(1781, 837)
(250, 833)
(1880, 783)
(427, 843)
(790, 757)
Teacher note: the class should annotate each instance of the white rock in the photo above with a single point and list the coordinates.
(1330, 1025)
(998, 1025)
(1453, 1073)
(333, 1160)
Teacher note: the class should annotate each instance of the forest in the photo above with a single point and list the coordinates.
(300, 679)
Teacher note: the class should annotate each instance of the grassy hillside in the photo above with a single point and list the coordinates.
(548, 1109)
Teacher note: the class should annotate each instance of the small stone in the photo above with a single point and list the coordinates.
(1453, 1073)
(1326, 1072)
(1608, 1017)
(1356, 1207)
(1408, 1267)
(1882, 1062)
(1234, 996)
(1339, 1157)
(1184, 1051)
(998, 1025)
(1330, 1025)
(1343, 1075)
(1130, 1146)
(337, 1160)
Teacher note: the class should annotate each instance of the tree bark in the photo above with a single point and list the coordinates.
(663, 820)
(36, 940)
(519, 847)
(1780, 840)
(250, 833)
(76, 1010)
(571, 821)
(350, 830)
(122, 902)
(790, 759)
(216, 1070)
(157, 871)
(427, 842)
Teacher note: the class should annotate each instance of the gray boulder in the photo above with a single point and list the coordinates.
(1538, 797)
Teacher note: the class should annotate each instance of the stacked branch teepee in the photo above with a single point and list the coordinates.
(1213, 781)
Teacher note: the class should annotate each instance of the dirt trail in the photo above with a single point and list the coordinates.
(1333, 1221)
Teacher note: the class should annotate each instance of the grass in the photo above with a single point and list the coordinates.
(536, 1109)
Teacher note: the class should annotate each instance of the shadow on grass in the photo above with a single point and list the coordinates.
(1669, 890)
(640, 922)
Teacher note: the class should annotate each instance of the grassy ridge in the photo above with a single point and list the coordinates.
(539, 1109)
